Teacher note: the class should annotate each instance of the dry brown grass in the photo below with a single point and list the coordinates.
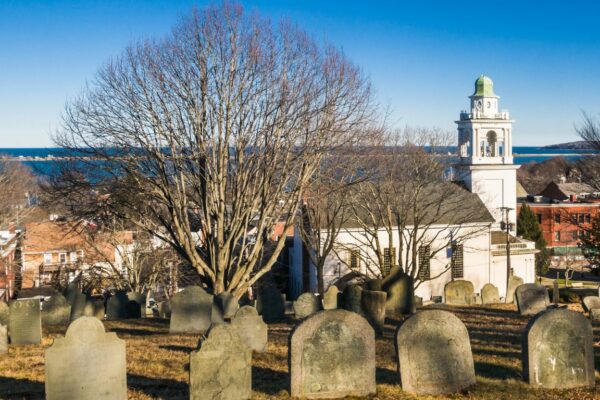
(158, 363)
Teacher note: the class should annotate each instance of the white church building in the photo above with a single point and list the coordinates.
(486, 189)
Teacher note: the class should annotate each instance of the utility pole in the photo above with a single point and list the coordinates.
(507, 225)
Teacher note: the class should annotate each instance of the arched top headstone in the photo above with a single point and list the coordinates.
(590, 302)
(85, 330)
(490, 294)
(459, 293)
(245, 311)
(532, 298)
(306, 304)
(513, 283)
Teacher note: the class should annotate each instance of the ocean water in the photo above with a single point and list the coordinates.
(522, 155)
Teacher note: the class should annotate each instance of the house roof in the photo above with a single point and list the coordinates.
(562, 191)
(521, 192)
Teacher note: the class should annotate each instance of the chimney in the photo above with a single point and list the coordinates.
(573, 198)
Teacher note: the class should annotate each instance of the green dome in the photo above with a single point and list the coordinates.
(484, 87)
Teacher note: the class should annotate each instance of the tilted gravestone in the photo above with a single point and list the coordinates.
(4, 312)
(332, 354)
(434, 354)
(400, 292)
(228, 304)
(3, 339)
(25, 322)
(330, 298)
(271, 304)
(191, 311)
(222, 368)
(558, 350)
(490, 294)
(251, 328)
(86, 364)
(590, 302)
(373, 306)
(164, 309)
(352, 298)
(532, 298)
(513, 283)
(459, 293)
(306, 305)
(56, 310)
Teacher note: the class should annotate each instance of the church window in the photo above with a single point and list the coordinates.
(456, 262)
(424, 263)
(354, 259)
(388, 261)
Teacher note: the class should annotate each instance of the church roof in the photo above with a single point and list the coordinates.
(484, 87)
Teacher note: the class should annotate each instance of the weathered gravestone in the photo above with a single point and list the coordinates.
(251, 328)
(164, 309)
(374, 284)
(116, 307)
(595, 314)
(138, 309)
(352, 298)
(513, 283)
(459, 293)
(434, 354)
(56, 310)
(306, 305)
(558, 350)
(373, 306)
(490, 294)
(94, 308)
(4, 312)
(191, 311)
(222, 368)
(3, 339)
(590, 302)
(531, 298)
(227, 304)
(332, 354)
(216, 315)
(400, 292)
(330, 298)
(86, 364)
(77, 302)
(271, 304)
(25, 322)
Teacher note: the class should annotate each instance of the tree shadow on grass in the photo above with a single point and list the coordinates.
(495, 371)
(269, 381)
(13, 388)
(179, 349)
(159, 388)
(387, 376)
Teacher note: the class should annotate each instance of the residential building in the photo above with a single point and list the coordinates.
(8, 262)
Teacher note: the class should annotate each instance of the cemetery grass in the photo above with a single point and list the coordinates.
(158, 363)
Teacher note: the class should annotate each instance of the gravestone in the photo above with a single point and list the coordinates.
(251, 328)
(86, 364)
(222, 368)
(228, 304)
(531, 298)
(77, 301)
(590, 302)
(330, 298)
(490, 294)
(271, 304)
(116, 307)
(191, 311)
(418, 301)
(306, 304)
(3, 339)
(374, 284)
(140, 299)
(331, 355)
(513, 283)
(4, 312)
(373, 305)
(555, 292)
(25, 322)
(71, 292)
(459, 293)
(56, 310)
(94, 308)
(400, 292)
(558, 350)
(434, 354)
(595, 314)
(352, 298)
(164, 309)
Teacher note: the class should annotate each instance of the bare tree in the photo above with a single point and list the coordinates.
(17, 185)
(589, 166)
(210, 134)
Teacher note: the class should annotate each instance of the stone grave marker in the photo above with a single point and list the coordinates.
(56, 310)
(330, 298)
(434, 354)
(306, 304)
(164, 309)
(513, 283)
(77, 301)
(271, 304)
(251, 328)
(3, 339)
(116, 308)
(590, 302)
(133, 310)
(4, 312)
(400, 292)
(374, 284)
(86, 364)
(459, 293)
(558, 350)
(94, 308)
(222, 368)
(228, 304)
(352, 298)
(331, 355)
(373, 306)
(490, 294)
(191, 311)
(532, 298)
(25, 322)
(595, 314)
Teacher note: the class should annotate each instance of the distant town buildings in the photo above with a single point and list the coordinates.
(8, 265)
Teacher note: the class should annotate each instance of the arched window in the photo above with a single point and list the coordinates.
(492, 138)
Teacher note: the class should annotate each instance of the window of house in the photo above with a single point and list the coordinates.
(73, 256)
(581, 217)
(388, 261)
(575, 235)
(47, 258)
(456, 262)
(539, 217)
(588, 218)
(557, 218)
(62, 258)
(574, 218)
(557, 236)
(354, 259)
(424, 263)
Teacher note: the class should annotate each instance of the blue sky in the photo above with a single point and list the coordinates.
(422, 56)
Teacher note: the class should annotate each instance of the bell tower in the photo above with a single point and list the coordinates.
(485, 151)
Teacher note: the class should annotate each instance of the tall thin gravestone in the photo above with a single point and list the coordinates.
(330, 298)
(4, 312)
(191, 311)
(399, 287)
(86, 364)
(25, 322)
(3, 339)
(513, 283)
(352, 298)
(373, 306)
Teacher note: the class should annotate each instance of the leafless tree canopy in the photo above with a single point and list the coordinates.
(16, 182)
(209, 137)
(589, 130)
